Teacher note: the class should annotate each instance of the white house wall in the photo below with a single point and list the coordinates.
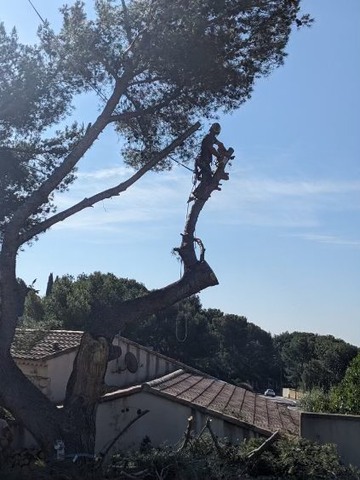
(166, 422)
(149, 366)
(50, 375)
(59, 370)
(36, 372)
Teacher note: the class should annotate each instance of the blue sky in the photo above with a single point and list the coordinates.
(283, 235)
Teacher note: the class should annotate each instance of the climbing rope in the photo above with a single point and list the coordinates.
(181, 164)
(178, 321)
(186, 331)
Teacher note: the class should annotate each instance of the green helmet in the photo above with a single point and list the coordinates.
(215, 128)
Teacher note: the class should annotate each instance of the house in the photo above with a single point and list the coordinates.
(46, 358)
(141, 380)
(235, 413)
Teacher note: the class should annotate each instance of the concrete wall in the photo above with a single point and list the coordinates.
(292, 393)
(149, 364)
(50, 375)
(59, 370)
(166, 421)
(342, 430)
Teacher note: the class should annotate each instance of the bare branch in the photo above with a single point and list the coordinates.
(146, 80)
(187, 434)
(199, 277)
(200, 197)
(132, 44)
(125, 116)
(197, 273)
(41, 195)
(214, 438)
(254, 454)
(116, 190)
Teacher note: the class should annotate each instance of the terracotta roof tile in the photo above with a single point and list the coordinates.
(221, 400)
(221, 397)
(41, 344)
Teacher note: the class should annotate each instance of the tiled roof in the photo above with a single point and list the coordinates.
(227, 400)
(41, 344)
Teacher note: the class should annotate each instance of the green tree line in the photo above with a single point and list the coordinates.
(343, 398)
(224, 345)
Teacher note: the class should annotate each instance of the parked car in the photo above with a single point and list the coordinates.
(270, 393)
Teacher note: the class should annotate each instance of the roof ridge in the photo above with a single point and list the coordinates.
(165, 378)
(22, 329)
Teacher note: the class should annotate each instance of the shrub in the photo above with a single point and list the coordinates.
(315, 401)
(291, 459)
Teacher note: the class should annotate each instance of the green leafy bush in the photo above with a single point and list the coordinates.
(315, 401)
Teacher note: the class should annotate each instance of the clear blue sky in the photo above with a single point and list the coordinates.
(283, 235)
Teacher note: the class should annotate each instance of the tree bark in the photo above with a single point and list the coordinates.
(75, 424)
(28, 404)
(17, 394)
(85, 387)
(82, 398)
(8, 294)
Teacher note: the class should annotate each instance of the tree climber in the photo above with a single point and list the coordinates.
(204, 161)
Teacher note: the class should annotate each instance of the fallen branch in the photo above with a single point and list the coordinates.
(254, 454)
(187, 433)
(207, 426)
(133, 476)
(214, 437)
(162, 475)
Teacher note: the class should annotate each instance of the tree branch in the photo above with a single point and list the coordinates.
(197, 273)
(142, 122)
(187, 434)
(41, 195)
(116, 190)
(146, 80)
(201, 195)
(127, 22)
(193, 281)
(125, 116)
(17, 393)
